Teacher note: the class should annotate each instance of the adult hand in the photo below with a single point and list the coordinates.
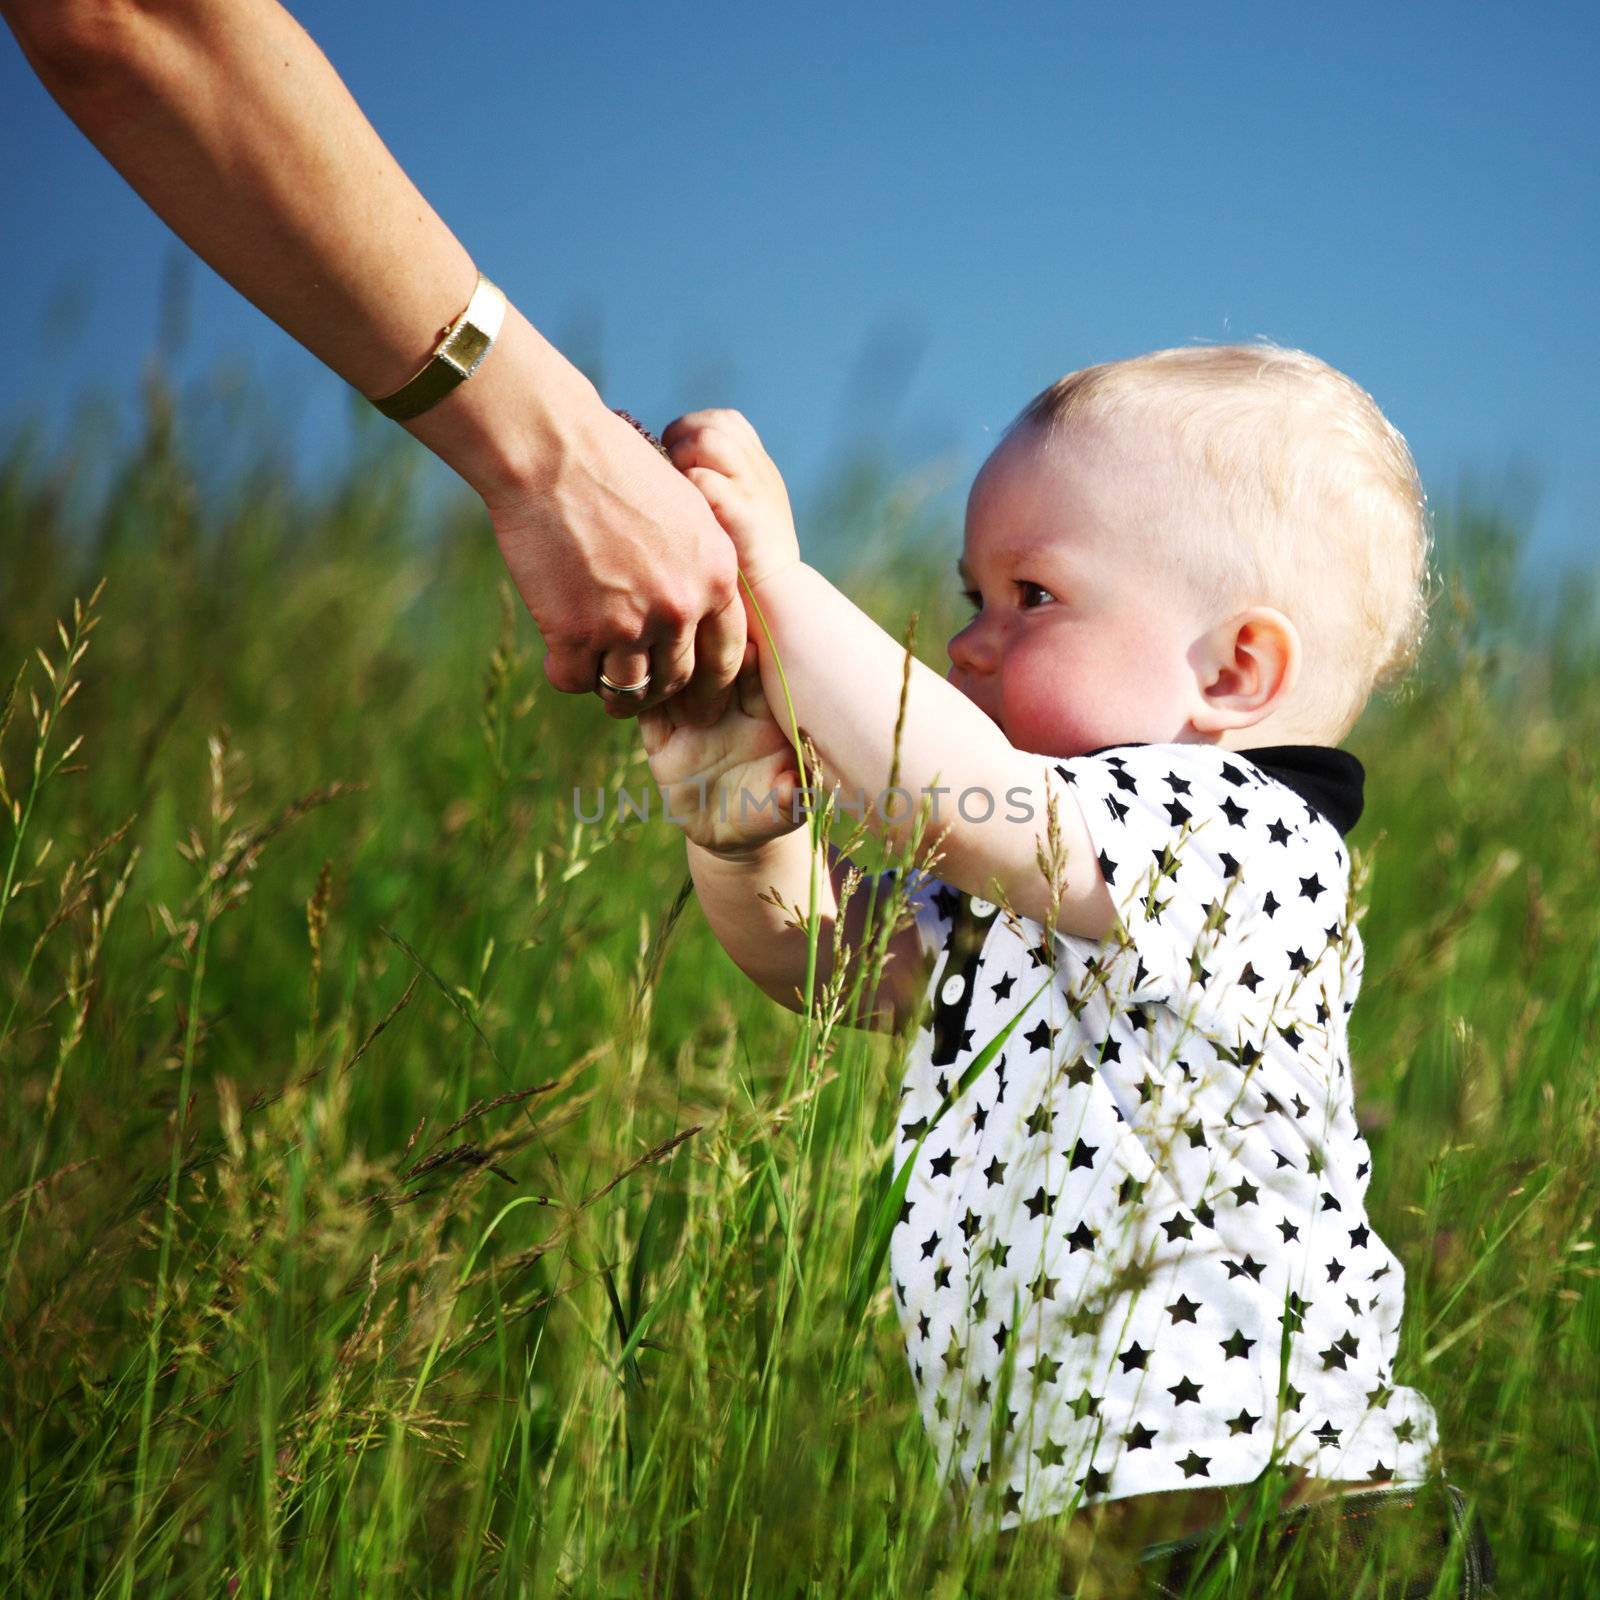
(235, 129)
(626, 570)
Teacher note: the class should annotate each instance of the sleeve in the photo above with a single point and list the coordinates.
(1171, 827)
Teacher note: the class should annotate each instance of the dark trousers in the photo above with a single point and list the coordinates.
(1370, 1544)
(1386, 1544)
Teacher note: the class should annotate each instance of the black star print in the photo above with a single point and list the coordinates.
(1183, 1308)
(1041, 1118)
(1295, 1313)
(999, 1253)
(1141, 1437)
(923, 1325)
(1404, 1431)
(1041, 1204)
(1379, 1397)
(1050, 1453)
(1045, 1369)
(1230, 867)
(1176, 784)
(1358, 1238)
(1329, 1203)
(1002, 989)
(1040, 1036)
(1108, 868)
(1012, 1501)
(1327, 1433)
(1195, 1465)
(941, 1277)
(1131, 1191)
(1234, 812)
(1245, 1192)
(1277, 833)
(1184, 1389)
(1204, 1215)
(905, 1211)
(1249, 1267)
(1311, 887)
(930, 1244)
(995, 1171)
(1298, 959)
(1086, 1405)
(980, 1115)
(1179, 812)
(1094, 1481)
(1178, 1226)
(944, 1165)
(1292, 1398)
(1082, 1237)
(1270, 904)
(1043, 1288)
(1134, 1356)
(1237, 1345)
(913, 1130)
(1380, 1473)
(1080, 1072)
(1000, 1335)
(970, 1224)
(1082, 1155)
(1243, 1423)
(1335, 1270)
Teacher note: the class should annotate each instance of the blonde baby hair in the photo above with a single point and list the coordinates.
(1310, 502)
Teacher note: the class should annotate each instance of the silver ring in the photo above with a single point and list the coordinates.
(624, 688)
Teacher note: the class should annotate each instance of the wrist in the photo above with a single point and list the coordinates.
(507, 429)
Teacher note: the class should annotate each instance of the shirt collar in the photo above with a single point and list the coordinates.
(1331, 781)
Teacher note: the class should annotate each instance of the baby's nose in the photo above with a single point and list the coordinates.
(975, 648)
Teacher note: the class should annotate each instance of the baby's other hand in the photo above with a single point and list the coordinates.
(730, 786)
(720, 453)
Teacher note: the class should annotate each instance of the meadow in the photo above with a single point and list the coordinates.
(402, 1194)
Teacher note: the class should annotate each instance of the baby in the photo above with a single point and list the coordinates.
(1133, 1256)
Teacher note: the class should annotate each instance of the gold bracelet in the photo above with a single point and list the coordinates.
(455, 358)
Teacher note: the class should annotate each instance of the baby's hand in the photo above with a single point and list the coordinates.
(703, 772)
(719, 453)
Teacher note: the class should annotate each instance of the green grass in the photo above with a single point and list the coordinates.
(404, 1195)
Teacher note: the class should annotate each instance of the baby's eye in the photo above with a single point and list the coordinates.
(1030, 589)
(973, 599)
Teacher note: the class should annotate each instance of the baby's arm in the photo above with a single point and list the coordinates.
(844, 673)
(739, 852)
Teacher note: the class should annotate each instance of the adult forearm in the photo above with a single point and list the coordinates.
(228, 120)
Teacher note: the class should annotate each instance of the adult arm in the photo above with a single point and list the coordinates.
(229, 121)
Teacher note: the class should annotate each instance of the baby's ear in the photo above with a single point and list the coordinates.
(1245, 669)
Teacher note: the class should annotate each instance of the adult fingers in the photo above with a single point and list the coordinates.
(625, 665)
(719, 654)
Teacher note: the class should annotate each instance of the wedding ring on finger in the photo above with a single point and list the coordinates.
(624, 688)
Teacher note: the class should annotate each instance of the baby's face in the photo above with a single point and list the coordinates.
(1079, 639)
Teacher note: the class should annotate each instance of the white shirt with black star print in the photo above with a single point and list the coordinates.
(1134, 1254)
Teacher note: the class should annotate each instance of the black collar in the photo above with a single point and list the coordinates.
(1331, 781)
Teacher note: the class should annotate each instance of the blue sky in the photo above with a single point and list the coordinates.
(885, 226)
